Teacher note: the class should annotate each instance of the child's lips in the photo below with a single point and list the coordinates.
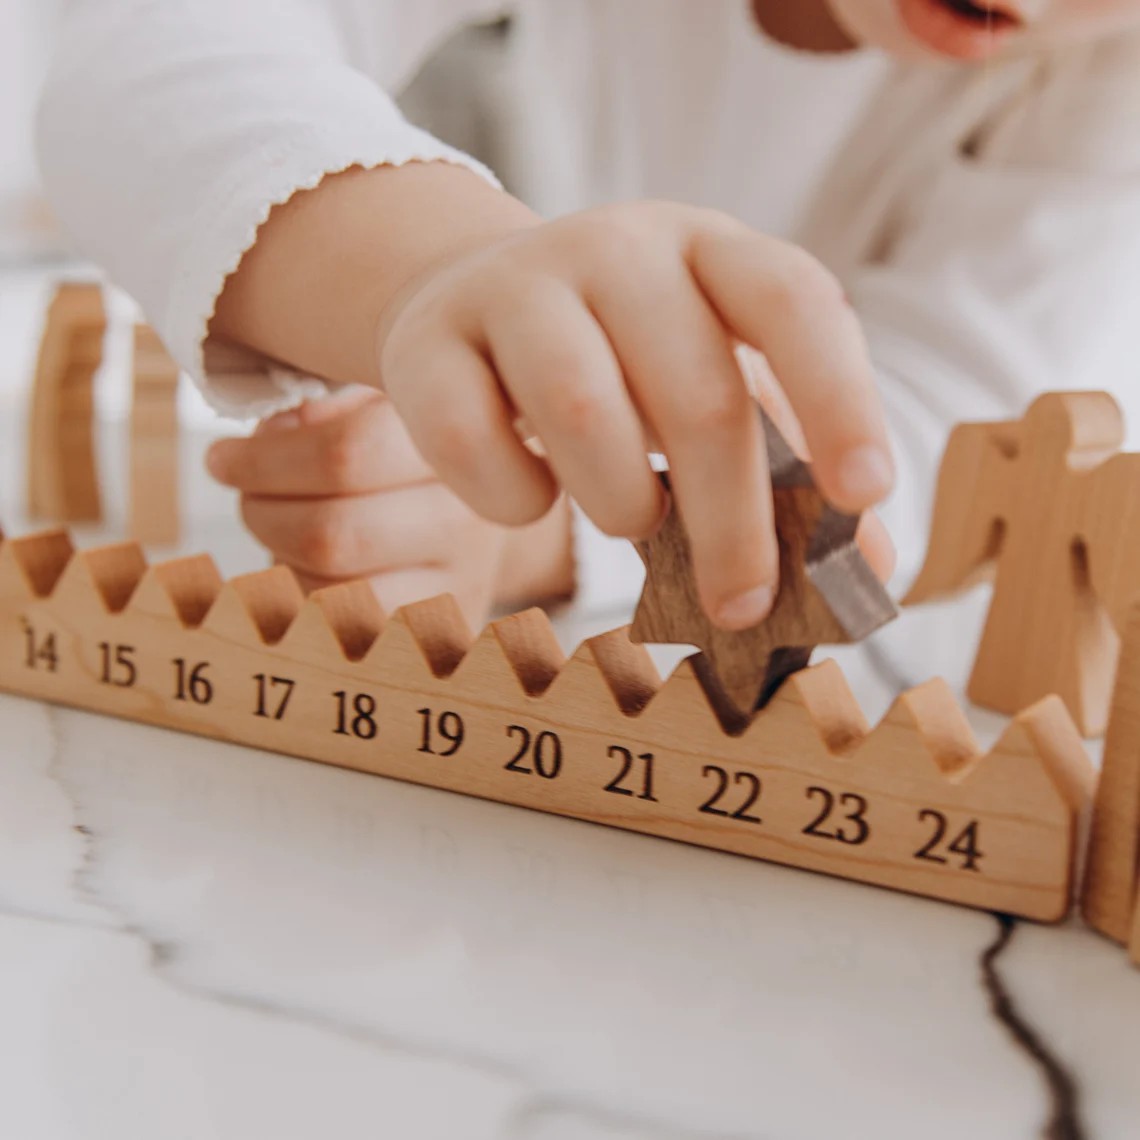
(961, 29)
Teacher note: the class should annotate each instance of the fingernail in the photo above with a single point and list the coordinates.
(747, 609)
(282, 421)
(217, 462)
(866, 474)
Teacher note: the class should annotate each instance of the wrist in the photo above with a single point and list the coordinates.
(327, 264)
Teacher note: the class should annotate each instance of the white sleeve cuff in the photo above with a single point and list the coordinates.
(258, 388)
(240, 383)
(167, 132)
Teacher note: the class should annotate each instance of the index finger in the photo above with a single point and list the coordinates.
(780, 300)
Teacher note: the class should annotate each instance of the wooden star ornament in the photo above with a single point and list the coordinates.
(828, 594)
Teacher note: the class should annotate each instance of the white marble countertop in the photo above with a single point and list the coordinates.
(199, 940)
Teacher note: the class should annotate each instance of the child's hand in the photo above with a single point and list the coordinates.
(337, 490)
(612, 326)
(599, 329)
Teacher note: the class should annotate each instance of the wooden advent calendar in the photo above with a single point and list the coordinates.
(1048, 502)
(910, 804)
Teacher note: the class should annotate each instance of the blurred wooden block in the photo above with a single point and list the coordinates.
(1049, 507)
(1134, 942)
(1112, 874)
(912, 804)
(63, 483)
(154, 451)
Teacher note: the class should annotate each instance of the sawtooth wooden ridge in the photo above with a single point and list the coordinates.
(911, 804)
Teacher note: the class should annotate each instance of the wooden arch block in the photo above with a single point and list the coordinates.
(63, 480)
(1134, 941)
(63, 483)
(154, 498)
(1050, 509)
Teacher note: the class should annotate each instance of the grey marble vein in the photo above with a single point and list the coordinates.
(535, 1111)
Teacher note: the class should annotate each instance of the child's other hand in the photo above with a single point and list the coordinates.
(610, 327)
(337, 490)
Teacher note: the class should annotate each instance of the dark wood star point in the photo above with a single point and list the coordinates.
(828, 595)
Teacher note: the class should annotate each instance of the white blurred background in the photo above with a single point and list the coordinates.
(461, 94)
(26, 30)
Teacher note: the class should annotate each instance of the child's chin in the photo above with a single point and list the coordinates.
(881, 24)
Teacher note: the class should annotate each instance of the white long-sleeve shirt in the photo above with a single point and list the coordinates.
(986, 220)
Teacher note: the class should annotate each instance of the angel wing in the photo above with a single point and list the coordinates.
(969, 508)
(1110, 531)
